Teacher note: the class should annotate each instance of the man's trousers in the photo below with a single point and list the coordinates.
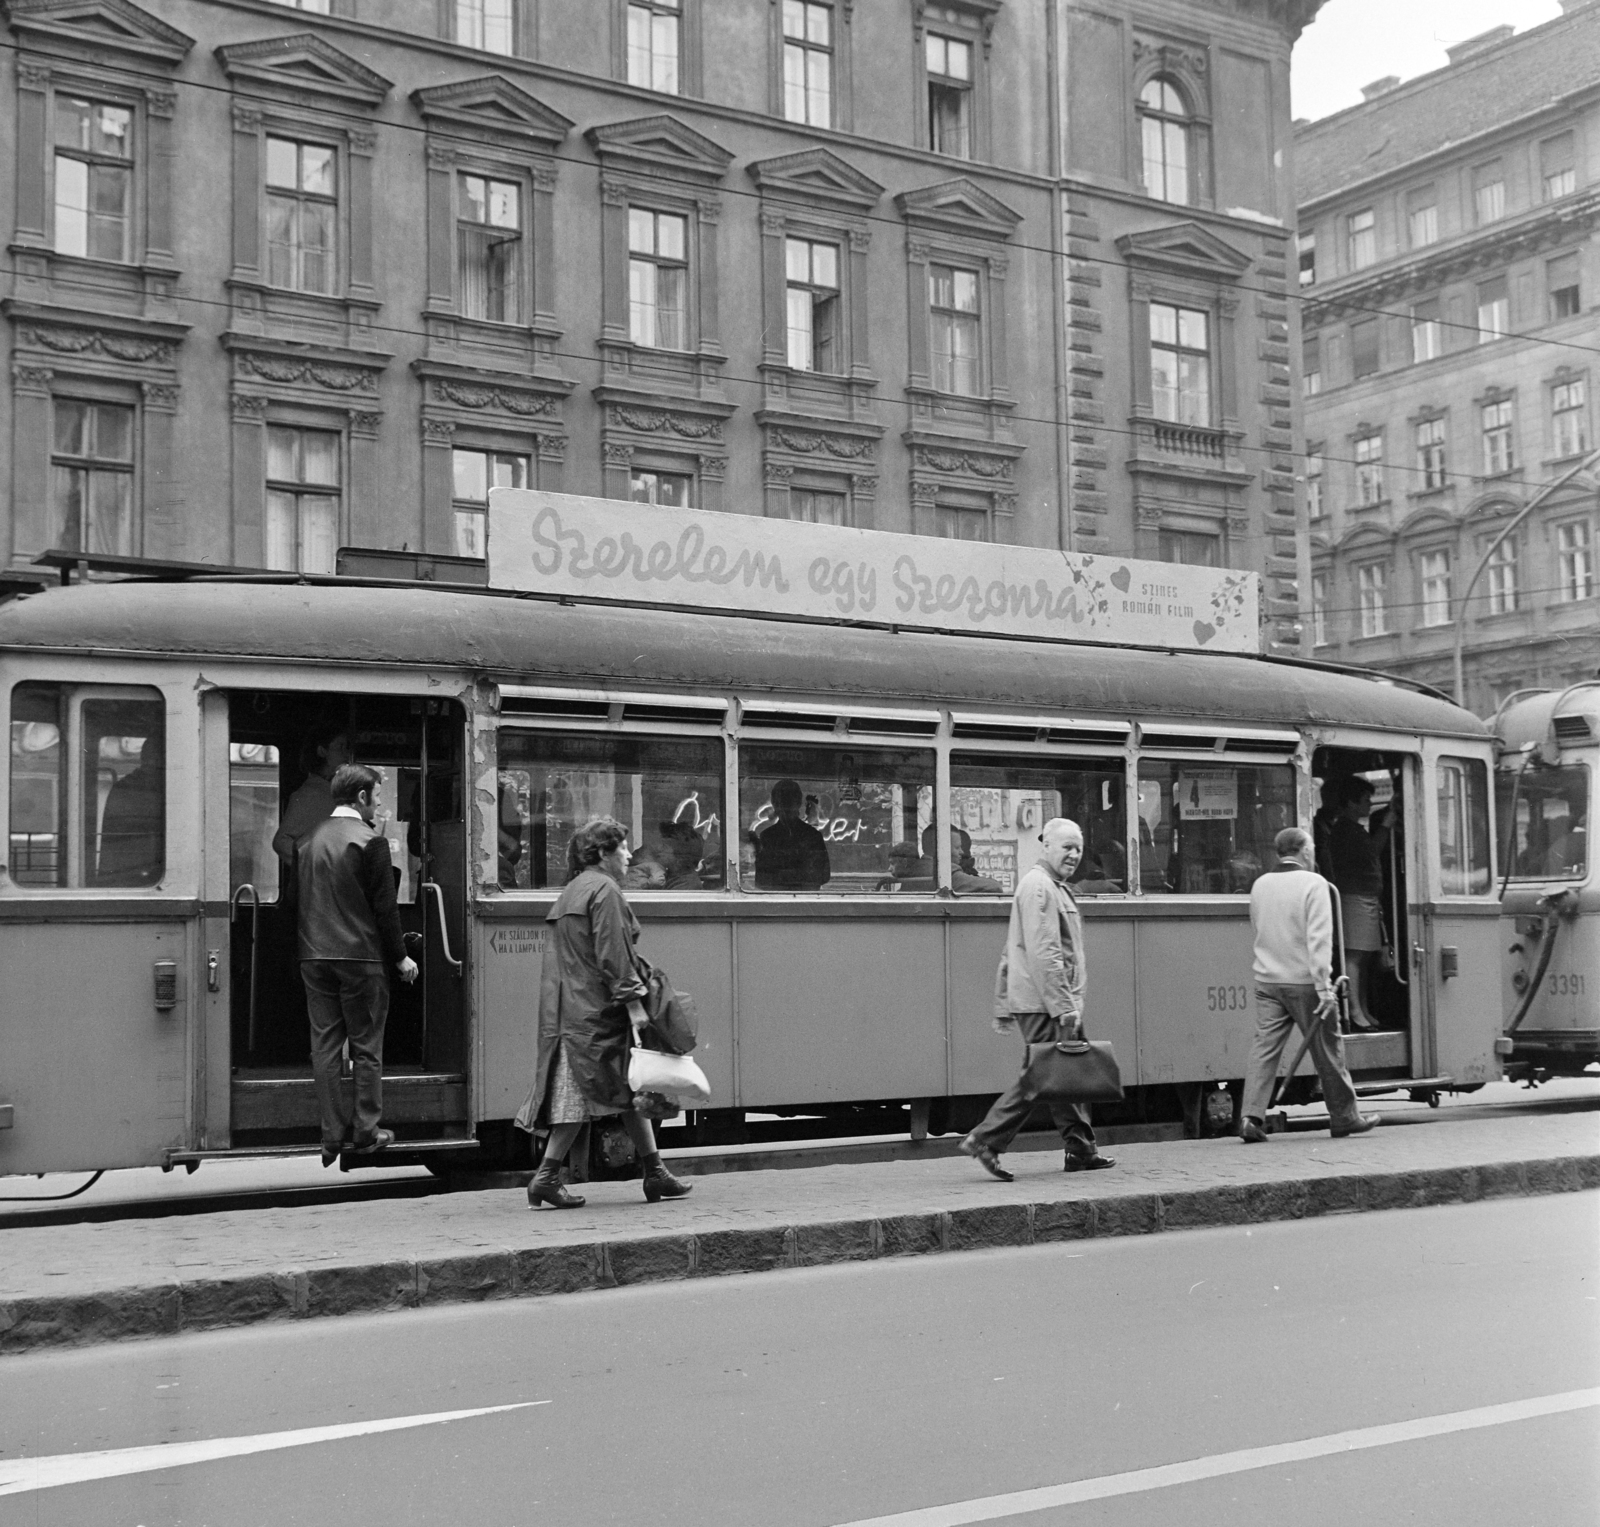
(1010, 1112)
(1280, 1010)
(348, 1001)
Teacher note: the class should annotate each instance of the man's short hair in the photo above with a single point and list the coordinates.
(787, 792)
(1356, 789)
(350, 781)
(1291, 841)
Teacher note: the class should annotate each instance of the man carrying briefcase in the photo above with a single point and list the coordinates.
(1039, 991)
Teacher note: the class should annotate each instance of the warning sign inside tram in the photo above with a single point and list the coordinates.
(556, 543)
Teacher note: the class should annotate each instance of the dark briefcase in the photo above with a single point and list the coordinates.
(1072, 1071)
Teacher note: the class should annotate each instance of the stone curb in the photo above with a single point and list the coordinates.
(205, 1304)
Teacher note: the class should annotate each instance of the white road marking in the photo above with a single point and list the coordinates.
(19, 1475)
(992, 1508)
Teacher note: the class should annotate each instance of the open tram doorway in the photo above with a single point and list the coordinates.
(282, 745)
(1362, 832)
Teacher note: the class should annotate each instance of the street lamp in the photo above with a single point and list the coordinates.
(1494, 546)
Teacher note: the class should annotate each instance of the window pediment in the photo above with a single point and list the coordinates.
(116, 26)
(1426, 522)
(659, 145)
(958, 206)
(818, 177)
(491, 107)
(1365, 540)
(303, 64)
(1187, 249)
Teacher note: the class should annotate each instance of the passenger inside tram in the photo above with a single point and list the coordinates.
(322, 751)
(133, 822)
(1548, 838)
(791, 854)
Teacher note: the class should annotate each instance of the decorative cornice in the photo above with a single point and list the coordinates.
(304, 67)
(959, 206)
(94, 29)
(491, 107)
(817, 177)
(659, 145)
(286, 365)
(133, 340)
(1186, 249)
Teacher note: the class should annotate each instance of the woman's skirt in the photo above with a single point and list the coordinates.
(1363, 923)
(567, 1104)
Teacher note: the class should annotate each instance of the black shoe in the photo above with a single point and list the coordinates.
(1252, 1132)
(986, 1158)
(1094, 1162)
(1364, 1122)
(554, 1194)
(331, 1153)
(659, 1183)
(380, 1139)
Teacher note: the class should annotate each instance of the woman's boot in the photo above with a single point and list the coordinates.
(547, 1187)
(659, 1183)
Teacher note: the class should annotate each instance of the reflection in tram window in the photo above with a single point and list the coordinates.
(844, 820)
(1208, 828)
(666, 791)
(253, 793)
(1001, 805)
(1550, 837)
(120, 816)
(1463, 827)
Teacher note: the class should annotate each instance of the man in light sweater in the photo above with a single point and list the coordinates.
(1292, 914)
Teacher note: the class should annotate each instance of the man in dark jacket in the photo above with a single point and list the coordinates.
(791, 855)
(349, 929)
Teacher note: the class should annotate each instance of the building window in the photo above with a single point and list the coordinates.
(1503, 577)
(1311, 367)
(816, 507)
(1494, 310)
(1363, 238)
(92, 477)
(808, 63)
(1180, 364)
(961, 522)
(1561, 280)
(1558, 166)
(811, 272)
(1319, 609)
(486, 24)
(669, 490)
(1488, 193)
(1372, 594)
(1430, 453)
(1164, 129)
(1306, 246)
(1427, 334)
(94, 178)
(1422, 217)
(1569, 418)
(948, 61)
(957, 330)
(655, 39)
(303, 477)
(1314, 505)
(1574, 560)
(489, 248)
(1435, 570)
(658, 279)
(310, 7)
(476, 472)
(1192, 548)
(1369, 470)
(302, 209)
(1499, 455)
(1364, 353)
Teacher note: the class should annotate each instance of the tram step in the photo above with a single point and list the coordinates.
(402, 1152)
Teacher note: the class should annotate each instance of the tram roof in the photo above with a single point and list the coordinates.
(531, 639)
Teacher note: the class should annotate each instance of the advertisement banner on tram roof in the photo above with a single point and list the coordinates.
(557, 543)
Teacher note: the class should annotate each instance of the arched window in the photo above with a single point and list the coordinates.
(1164, 124)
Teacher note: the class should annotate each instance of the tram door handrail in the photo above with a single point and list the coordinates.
(255, 945)
(444, 928)
(1396, 907)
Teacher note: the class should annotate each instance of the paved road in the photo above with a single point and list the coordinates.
(841, 1394)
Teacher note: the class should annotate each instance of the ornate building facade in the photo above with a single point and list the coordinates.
(1448, 262)
(290, 278)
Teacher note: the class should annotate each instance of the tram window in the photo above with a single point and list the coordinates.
(667, 791)
(254, 789)
(1548, 840)
(1208, 828)
(998, 805)
(119, 818)
(1463, 793)
(842, 820)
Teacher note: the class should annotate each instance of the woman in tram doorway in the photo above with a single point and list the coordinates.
(1355, 861)
(590, 1009)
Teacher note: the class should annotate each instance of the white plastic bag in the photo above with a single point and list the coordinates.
(676, 1076)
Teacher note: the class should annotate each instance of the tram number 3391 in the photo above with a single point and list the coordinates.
(1227, 999)
(1565, 984)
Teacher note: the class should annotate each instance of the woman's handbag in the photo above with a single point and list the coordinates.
(674, 1076)
(1072, 1071)
(672, 1015)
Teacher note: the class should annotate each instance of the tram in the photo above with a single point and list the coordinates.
(1549, 742)
(150, 1005)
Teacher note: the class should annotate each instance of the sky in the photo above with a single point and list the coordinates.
(1353, 42)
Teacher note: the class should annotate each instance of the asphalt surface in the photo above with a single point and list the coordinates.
(831, 1396)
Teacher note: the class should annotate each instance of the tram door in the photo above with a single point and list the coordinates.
(282, 748)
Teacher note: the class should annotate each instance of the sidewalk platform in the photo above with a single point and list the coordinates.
(77, 1284)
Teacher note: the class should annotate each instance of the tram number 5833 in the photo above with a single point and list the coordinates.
(1565, 984)
(1227, 999)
